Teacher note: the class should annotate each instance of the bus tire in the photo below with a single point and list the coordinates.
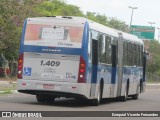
(124, 98)
(97, 101)
(40, 98)
(135, 97)
(48, 99)
(141, 86)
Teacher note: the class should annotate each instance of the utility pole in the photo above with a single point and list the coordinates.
(158, 33)
(132, 14)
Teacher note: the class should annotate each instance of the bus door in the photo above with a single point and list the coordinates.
(93, 43)
(120, 64)
(144, 60)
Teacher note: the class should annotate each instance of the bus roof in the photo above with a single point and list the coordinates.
(74, 21)
(110, 31)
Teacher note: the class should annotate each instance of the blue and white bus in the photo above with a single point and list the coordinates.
(76, 57)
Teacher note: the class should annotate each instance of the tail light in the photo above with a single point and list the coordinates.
(20, 66)
(82, 69)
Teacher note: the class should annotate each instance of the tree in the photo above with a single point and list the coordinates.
(117, 24)
(12, 15)
(58, 7)
(102, 19)
(153, 65)
(110, 22)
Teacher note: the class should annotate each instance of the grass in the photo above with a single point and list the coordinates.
(4, 87)
(152, 81)
(5, 92)
(8, 78)
(7, 88)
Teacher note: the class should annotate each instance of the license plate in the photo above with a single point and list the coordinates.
(48, 86)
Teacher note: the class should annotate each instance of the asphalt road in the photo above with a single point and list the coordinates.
(148, 101)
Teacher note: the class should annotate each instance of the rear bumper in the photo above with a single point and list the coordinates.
(60, 89)
(53, 93)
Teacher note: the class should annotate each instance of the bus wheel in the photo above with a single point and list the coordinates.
(97, 101)
(135, 97)
(40, 98)
(124, 98)
(48, 99)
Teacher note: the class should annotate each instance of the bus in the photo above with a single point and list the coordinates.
(75, 57)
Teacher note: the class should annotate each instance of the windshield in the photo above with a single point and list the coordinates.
(52, 35)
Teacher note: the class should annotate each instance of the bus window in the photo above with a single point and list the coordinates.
(94, 48)
(103, 57)
(125, 54)
(108, 49)
(100, 46)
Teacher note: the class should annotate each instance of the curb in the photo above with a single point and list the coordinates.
(7, 82)
(8, 92)
(154, 84)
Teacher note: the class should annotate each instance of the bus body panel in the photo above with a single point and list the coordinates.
(50, 67)
(31, 86)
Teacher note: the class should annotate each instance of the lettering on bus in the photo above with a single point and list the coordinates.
(50, 63)
(70, 75)
(64, 44)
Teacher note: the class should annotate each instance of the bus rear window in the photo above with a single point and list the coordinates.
(56, 36)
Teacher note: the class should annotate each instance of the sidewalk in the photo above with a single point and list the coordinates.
(7, 82)
(8, 86)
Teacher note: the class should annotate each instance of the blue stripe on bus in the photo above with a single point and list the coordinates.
(22, 37)
(85, 44)
(94, 74)
(113, 78)
(85, 41)
(52, 50)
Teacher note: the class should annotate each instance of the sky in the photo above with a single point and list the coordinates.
(148, 10)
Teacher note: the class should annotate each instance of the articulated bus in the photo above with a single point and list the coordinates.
(78, 58)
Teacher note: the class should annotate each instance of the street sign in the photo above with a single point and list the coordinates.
(143, 32)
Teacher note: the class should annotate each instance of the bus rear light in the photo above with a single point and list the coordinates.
(82, 68)
(81, 76)
(20, 66)
(82, 65)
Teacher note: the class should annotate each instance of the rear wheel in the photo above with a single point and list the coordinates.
(97, 101)
(124, 98)
(48, 99)
(135, 97)
(40, 98)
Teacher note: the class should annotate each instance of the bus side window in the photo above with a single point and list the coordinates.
(114, 54)
(108, 49)
(101, 49)
(94, 46)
